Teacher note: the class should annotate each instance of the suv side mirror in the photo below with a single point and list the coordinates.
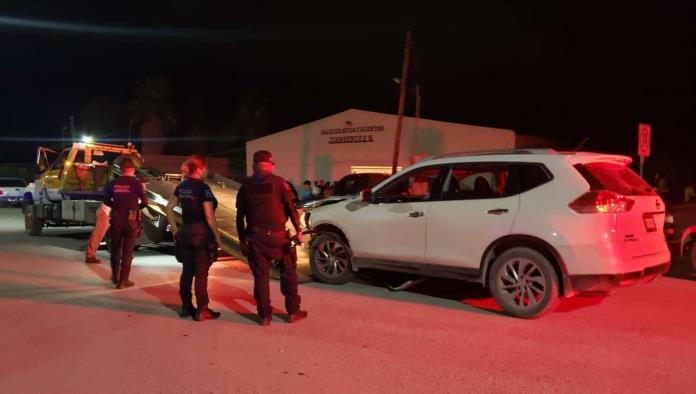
(366, 195)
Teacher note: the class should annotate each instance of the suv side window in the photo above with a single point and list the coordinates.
(475, 181)
(416, 185)
(532, 175)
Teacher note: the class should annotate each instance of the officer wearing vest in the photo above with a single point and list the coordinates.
(195, 238)
(125, 196)
(264, 204)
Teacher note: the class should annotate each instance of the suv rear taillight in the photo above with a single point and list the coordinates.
(2, 192)
(601, 201)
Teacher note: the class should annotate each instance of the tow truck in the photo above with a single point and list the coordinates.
(70, 189)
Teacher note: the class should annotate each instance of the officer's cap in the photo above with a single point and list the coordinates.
(263, 156)
(126, 162)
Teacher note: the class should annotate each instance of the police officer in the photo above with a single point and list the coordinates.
(125, 195)
(196, 238)
(264, 204)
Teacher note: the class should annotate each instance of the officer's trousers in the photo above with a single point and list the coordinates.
(193, 241)
(124, 234)
(262, 250)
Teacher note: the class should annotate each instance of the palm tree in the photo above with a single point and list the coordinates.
(152, 112)
(252, 120)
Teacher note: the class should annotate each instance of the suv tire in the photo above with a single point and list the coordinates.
(330, 259)
(524, 283)
(692, 255)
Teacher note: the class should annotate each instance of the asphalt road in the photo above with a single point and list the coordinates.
(65, 329)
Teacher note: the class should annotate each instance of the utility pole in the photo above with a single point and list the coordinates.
(418, 102)
(402, 100)
(416, 124)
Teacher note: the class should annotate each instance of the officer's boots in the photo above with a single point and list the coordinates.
(205, 313)
(297, 316)
(187, 310)
(124, 284)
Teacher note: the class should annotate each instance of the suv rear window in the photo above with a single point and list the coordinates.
(614, 177)
(12, 183)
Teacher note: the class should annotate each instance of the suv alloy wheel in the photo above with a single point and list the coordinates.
(330, 259)
(524, 283)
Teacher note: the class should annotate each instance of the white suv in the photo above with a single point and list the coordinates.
(532, 225)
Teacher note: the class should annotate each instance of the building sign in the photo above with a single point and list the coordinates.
(351, 139)
(352, 135)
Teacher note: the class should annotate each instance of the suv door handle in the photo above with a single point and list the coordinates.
(498, 211)
(415, 214)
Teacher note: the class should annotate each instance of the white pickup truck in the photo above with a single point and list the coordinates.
(12, 191)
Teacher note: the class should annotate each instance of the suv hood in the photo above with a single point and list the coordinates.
(331, 210)
(312, 204)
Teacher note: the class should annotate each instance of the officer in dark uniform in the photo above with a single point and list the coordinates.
(126, 197)
(264, 203)
(196, 238)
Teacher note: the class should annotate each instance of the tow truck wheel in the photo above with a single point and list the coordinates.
(330, 259)
(32, 225)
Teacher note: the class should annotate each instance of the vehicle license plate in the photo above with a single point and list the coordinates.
(649, 221)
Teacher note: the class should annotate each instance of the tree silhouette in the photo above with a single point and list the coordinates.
(152, 113)
(195, 123)
(252, 120)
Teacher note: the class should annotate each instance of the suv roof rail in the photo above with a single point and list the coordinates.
(498, 152)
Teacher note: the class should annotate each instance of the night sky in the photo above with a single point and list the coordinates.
(564, 71)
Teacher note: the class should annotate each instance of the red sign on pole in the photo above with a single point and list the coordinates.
(643, 140)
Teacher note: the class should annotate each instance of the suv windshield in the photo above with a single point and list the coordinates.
(614, 177)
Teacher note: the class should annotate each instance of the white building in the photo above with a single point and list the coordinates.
(363, 141)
